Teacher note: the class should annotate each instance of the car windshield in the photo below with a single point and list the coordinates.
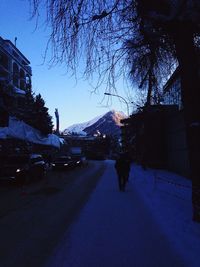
(33, 160)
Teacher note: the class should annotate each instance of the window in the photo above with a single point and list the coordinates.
(15, 74)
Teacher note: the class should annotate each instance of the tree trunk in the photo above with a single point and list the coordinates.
(190, 86)
(149, 93)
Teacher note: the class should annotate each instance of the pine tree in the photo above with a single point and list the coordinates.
(42, 120)
(28, 111)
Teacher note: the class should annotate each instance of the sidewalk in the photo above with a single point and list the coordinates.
(125, 229)
(169, 198)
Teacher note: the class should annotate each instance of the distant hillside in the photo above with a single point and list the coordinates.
(79, 127)
(108, 124)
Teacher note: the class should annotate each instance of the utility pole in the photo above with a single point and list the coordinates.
(57, 121)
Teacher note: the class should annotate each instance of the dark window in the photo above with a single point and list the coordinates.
(3, 118)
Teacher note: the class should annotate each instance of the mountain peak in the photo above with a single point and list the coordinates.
(108, 123)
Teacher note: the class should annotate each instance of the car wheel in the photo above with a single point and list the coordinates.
(21, 179)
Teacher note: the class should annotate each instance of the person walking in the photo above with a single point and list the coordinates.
(122, 166)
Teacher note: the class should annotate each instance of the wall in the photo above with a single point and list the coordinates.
(177, 152)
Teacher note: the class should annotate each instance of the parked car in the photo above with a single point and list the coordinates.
(78, 160)
(62, 162)
(22, 168)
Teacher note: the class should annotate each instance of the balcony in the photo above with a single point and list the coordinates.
(18, 92)
(28, 69)
(3, 68)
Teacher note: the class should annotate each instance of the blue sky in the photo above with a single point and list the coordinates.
(73, 98)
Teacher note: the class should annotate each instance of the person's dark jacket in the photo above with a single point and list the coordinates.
(122, 166)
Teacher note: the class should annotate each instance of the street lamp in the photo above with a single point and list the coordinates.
(122, 99)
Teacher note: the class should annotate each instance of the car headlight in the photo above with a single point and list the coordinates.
(18, 170)
(53, 164)
(78, 162)
(66, 164)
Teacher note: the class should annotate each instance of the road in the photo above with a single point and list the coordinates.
(80, 219)
(115, 229)
(34, 219)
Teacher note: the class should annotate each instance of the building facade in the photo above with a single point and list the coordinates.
(15, 77)
(172, 90)
(14, 66)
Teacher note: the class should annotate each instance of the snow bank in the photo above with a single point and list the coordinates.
(20, 130)
(169, 197)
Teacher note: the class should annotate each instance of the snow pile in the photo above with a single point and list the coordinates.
(169, 197)
(20, 130)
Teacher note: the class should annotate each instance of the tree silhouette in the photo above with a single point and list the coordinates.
(176, 24)
(28, 113)
(35, 113)
(141, 38)
(42, 120)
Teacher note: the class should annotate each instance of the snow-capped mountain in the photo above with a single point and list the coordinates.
(79, 127)
(108, 124)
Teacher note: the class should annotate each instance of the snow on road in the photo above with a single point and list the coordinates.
(125, 229)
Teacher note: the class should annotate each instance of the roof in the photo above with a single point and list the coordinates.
(16, 49)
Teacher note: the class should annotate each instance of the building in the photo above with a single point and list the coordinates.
(14, 66)
(158, 134)
(93, 147)
(15, 77)
(15, 83)
(145, 135)
(177, 143)
(172, 90)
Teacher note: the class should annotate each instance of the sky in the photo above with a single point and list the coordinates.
(73, 98)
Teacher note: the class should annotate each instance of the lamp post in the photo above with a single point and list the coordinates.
(122, 99)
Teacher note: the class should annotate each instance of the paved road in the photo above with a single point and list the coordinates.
(115, 229)
(32, 224)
